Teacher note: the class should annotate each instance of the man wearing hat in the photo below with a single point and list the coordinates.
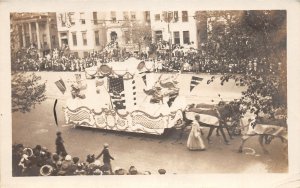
(106, 157)
(60, 148)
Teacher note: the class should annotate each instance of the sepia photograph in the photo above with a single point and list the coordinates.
(146, 92)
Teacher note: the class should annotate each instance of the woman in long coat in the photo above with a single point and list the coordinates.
(60, 148)
(195, 141)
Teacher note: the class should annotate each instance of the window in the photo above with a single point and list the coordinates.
(20, 36)
(158, 36)
(63, 18)
(113, 16)
(176, 16)
(34, 38)
(95, 18)
(74, 38)
(147, 16)
(97, 40)
(133, 15)
(52, 26)
(76, 54)
(126, 37)
(53, 37)
(84, 40)
(157, 17)
(176, 37)
(72, 18)
(186, 37)
(125, 15)
(82, 18)
(44, 38)
(85, 54)
(185, 17)
(64, 39)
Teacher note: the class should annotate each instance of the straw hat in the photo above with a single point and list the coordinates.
(68, 158)
(46, 170)
(105, 145)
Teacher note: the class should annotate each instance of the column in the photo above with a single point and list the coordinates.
(48, 34)
(38, 34)
(30, 34)
(23, 36)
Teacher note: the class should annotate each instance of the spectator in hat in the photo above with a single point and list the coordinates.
(132, 171)
(66, 166)
(16, 157)
(80, 169)
(162, 171)
(60, 148)
(73, 166)
(55, 164)
(120, 171)
(106, 157)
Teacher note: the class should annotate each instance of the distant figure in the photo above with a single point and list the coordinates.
(60, 148)
(106, 157)
(195, 141)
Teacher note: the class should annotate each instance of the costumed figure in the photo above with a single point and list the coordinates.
(157, 96)
(106, 157)
(195, 141)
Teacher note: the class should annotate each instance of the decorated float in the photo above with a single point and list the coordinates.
(124, 96)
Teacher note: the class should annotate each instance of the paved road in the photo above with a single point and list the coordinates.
(146, 152)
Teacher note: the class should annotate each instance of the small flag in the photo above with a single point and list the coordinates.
(172, 98)
(194, 82)
(145, 79)
(61, 86)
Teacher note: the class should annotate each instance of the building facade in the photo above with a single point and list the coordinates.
(81, 32)
(127, 27)
(176, 27)
(36, 29)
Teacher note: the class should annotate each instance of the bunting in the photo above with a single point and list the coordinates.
(194, 82)
(134, 92)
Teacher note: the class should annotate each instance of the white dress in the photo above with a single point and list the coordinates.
(195, 141)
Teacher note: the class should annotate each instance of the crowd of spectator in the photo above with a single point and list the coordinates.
(38, 161)
(166, 59)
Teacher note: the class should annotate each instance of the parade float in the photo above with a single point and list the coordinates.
(124, 96)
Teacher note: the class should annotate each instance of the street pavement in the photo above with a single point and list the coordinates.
(145, 152)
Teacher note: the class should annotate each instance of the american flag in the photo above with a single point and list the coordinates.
(194, 82)
(145, 79)
(116, 91)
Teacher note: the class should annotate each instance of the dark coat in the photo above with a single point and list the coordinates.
(106, 156)
(60, 148)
